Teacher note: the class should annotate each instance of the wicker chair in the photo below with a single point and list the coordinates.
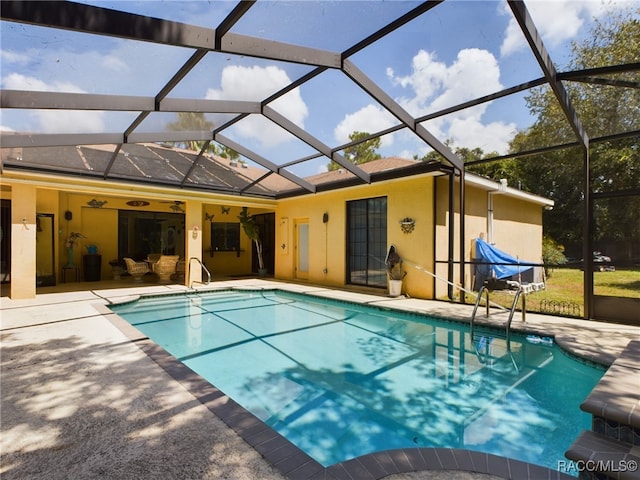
(136, 269)
(153, 258)
(165, 267)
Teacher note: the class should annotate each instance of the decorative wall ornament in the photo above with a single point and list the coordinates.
(225, 210)
(96, 203)
(208, 217)
(137, 203)
(407, 224)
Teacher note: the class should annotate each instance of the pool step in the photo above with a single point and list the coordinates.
(594, 455)
(612, 448)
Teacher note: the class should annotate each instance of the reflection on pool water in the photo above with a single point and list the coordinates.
(341, 380)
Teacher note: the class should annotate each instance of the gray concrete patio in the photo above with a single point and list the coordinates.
(81, 400)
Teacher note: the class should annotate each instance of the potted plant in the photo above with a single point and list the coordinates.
(252, 231)
(394, 271)
(70, 243)
(116, 268)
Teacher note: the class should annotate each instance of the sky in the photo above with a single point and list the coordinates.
(458, 51)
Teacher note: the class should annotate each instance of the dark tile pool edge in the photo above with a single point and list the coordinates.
(295, 464)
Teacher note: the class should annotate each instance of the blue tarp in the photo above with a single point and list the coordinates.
(487, 253)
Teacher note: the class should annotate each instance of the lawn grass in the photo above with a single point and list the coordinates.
(564, 290)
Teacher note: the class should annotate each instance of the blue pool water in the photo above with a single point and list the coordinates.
(340, 380)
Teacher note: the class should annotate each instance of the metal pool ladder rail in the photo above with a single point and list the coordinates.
(517, 292)
(203, 268)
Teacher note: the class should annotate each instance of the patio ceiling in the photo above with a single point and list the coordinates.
(288, 55)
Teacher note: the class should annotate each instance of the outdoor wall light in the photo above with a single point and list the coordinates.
(407, 224)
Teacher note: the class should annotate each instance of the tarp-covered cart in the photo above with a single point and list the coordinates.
(496, 270)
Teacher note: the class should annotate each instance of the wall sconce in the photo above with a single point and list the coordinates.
(407, 224)
(194, 233)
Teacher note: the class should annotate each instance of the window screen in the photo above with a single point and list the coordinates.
(367, 241)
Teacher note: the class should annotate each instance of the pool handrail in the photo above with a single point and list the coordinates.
(203, 267)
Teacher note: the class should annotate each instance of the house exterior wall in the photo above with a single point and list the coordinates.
(408, 197)
(516, 228)
(227, 263)
(57, 195)
(23, 244)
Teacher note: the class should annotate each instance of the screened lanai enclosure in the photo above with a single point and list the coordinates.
(291, 89)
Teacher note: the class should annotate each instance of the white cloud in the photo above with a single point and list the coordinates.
(368, 119)
(115, 63)
(56, 121)
(557, 21)
(255, 84)
(17, 81)
(471, 133)
(434, 85)
(14, 57)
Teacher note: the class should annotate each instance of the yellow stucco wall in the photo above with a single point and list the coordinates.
(517, 228)
(100, 227)
(23, 242)
(228, 263)
(409, 197)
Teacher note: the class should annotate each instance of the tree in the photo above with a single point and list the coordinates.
(252, 230)
(466, 155)
(552, 254)
(604, 110)
(362, 152)
(193, 121)
(229, 153)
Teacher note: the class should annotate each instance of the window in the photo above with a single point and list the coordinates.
(225, 236)
(367, 242)
(143, 233)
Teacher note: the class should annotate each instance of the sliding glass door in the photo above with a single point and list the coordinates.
(142, 233)
(367, 242)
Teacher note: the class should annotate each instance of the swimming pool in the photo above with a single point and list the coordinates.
(340, 380)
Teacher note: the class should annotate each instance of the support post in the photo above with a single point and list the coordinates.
(587, 233)
(23, 241)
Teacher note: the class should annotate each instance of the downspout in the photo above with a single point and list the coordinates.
(501, 189)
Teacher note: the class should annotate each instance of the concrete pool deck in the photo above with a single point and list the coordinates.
(80, 399)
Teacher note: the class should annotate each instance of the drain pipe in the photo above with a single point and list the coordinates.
(501, 189)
